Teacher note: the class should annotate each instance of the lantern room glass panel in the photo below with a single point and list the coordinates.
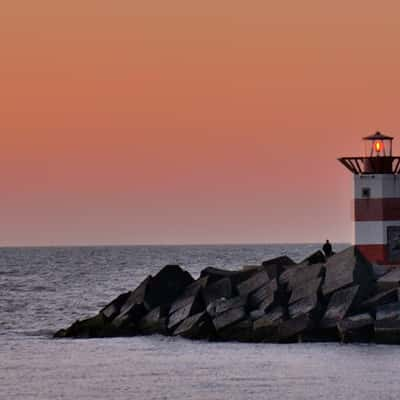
(378, 145)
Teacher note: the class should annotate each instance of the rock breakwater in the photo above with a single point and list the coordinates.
(342, 298)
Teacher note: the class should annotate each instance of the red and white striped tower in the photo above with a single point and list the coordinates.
(376, 200)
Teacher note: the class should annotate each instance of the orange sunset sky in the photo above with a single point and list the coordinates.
(180, 121)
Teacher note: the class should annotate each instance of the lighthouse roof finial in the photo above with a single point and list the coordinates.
(378, 136)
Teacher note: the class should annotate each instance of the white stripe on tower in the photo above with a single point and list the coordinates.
(381, 186)
(372, 232)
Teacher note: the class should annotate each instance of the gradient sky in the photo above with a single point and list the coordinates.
(180, 121)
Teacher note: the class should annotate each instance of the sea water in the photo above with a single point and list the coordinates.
(45, 289)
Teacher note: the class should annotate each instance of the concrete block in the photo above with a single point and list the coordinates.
(265, 292)
(390, 280)
(316, 258)
(195, 287)
(251, 285)
(241, 331)
(380, 299)
(289, 331)
(167, 286)
(304, 306)
(306, 289)
(339, 305)
(388, 311)
(300, 274)
(276, 266)
(218, 290)
(256, 314)
(265, 329)
(154, 321)
(387, 332)
(229, 317)
(348, 268)
(359, 328)
(192, 306)
(137, 296)
(215, 274)
(112, 309)
(198, 326)
(223, 305)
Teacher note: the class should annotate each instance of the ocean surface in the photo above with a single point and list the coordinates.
(45, 289)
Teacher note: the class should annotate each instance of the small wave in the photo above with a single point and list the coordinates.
(42, 289)
(40, 332)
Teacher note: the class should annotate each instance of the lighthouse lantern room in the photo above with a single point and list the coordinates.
(376, 200)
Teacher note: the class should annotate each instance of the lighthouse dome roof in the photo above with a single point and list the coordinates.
(378, 136)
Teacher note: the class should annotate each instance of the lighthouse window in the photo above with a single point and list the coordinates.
(366, 192)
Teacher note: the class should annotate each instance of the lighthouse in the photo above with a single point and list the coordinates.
(376, 200)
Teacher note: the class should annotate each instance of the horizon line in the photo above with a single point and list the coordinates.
(44, 246)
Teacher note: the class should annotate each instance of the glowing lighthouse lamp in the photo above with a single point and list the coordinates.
(376, 200)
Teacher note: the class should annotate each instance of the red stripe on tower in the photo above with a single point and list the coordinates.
(377, 209)
(374, 252)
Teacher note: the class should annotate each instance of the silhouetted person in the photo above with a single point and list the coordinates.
(327, 248)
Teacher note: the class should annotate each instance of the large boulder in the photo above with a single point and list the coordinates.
(182, 302)
(388, 311)
(183, 309)
(265, 329)
(281, 261)
(241, 331)
(94, 327)
(112, 309)
(160, 290)
(228, 318)
(306, 289)
(316, 258)
(380, 270)
(299, 283)
(380, 299)
(390, 280)
(252, 284)
(349, 268)
(126, 323)
(252, 268)
(264, 297)
(222, 305)
(218, 290)
(167, 285)
(136, 297)
(292, 330)
(358, 328)
(195, 287)
(306, 306)
(198, 326)
(215, 274)
(387, 331)
(276, 266)
(300, 274)
(339, 306)
(155, 321)
(134, 308)
(256, 314)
